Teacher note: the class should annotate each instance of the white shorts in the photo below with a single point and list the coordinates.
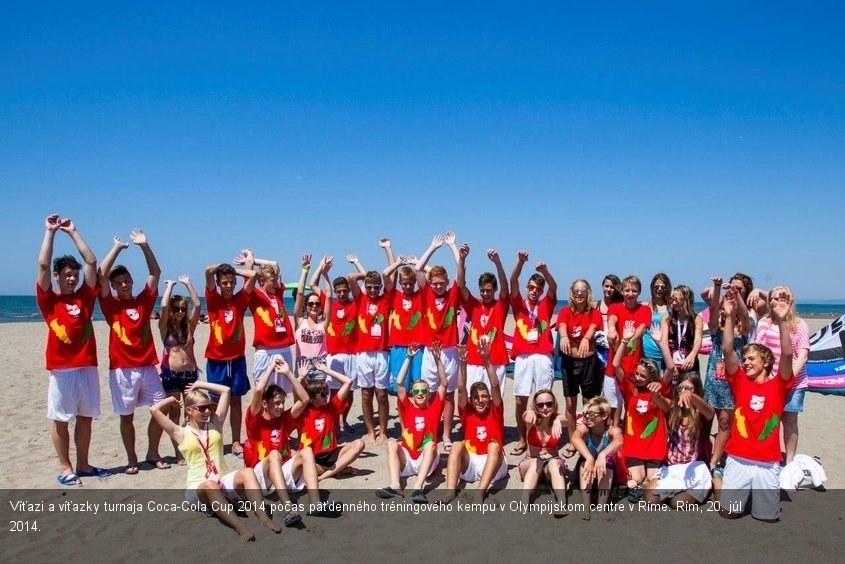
(373, 370)
(291, 484)
(72, 392)
(743, 476)
(131, 387)
(262, 359)
(476, 468)
(449, 358)
(693, 478)
(479, 374)
(532, 372)
(345, 364)
(412, 467)
(611, 392)
(227, 488)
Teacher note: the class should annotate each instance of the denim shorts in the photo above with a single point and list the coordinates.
(795, 401)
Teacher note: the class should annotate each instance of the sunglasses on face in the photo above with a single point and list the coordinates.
(313, 304)
(202, 408)
(659, 287)
(178, 309)
(545, 404)
(324, 393)
(373, 287)
(591, 414)
(579, 292)
(419, 392)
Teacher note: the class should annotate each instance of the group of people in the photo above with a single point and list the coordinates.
(646, 414)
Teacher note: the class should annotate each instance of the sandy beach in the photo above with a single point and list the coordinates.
(29, 468)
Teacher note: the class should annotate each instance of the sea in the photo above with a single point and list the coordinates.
(22, 309)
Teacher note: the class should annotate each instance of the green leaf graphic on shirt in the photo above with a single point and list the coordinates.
(450, 314)
(491, 334)
(379, 318)
(632, 347)
(327, 441)
(543, 326)
(770, 426)
(86, 333)
(237, 334)
(426, 439)
(347, 329)
(414, 320)
(145, 336)
(649, 429)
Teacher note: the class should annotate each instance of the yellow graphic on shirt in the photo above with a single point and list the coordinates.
(60, 331)
(264, 315)
(630, 426)
(218, 332)
(394, 317)
(470, 447)
(523, 327)
(408, 438)
(740, 423)
(262, 450)
(361, 324)
(305, 440)
(473, 335)
(431, 322)
(120, 331)
(330, 330)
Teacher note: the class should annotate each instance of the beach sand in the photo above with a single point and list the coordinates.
(29, 467)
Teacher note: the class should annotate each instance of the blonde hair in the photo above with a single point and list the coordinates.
(600, 404)
(266, 271)
(687, 307)
(537, 394)
(590, 304)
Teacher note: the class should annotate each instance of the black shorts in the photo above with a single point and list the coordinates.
(177, 381)
(582, 375)
(327, 458)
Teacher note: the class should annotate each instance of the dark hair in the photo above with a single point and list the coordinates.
(272, 391)
(488, 278)
(372, 277)
(224, 270)
(65, 261)
(617, 288)
(746, 281)
(340, 281)
(538, 279)
(118, 270)
(476, 388)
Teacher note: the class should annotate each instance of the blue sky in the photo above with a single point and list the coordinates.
(695, 139)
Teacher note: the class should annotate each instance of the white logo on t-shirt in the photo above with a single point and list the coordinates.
(133, 314)
(228, 315)
(642, 406)
(757, 402)
(72, 310)
(481, 433)
(419, 423)
(320, 424)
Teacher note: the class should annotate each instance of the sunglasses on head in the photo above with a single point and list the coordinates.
(419, 392)
(202, 408)
(545, 404)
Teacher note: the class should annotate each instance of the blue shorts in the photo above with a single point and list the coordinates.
(795, 401)
(397, 357)
(231, 373)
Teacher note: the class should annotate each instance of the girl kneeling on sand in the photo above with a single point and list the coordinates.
(210, 486)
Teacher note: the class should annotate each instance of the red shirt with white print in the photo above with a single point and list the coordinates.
(533, 332)
(440, 319)
(226, 339)
(629, 319)
(272, 324)
(373, 317)
(406, 319)
(481, 430)
(419, 424)
(316, 425)
(487, 320)
(342, 328)
(70, 340)
(131, 342)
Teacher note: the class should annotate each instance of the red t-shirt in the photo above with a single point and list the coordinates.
(317, 425)
(441, 316)
(342, 328)
(419, 425)
(487, 320)
(272, 324)
(265, 435)
(755, 431)
(373, 317)
(130, 340)
(532, 334)
(630, 318)
(481, 430)
(577, 325)
(226, 340)
(406, 317)
(70, 340)
(645, 424)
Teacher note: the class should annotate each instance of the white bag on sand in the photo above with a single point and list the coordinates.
(803, 471)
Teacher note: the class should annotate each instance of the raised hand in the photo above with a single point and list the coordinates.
(138, 237)
(436, 349)
(413, 349)
(654, 387)
(118, 243)
(328, 261)
(463, 251)
(185, 279)
(522, 256)
(66, 225)
(729, 305)
(462, 353)
(437, 242)
(302, 366)
(279, 365)
(449, 239)
(411, 259)
(685, 400)
(384, 242)
(541, 267)
(717, 280)
(352, 258)
(493, 255)
(306, 261)
(779, 306)
(52, 223)
(169, 282)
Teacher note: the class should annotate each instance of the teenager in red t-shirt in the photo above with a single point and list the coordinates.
(317, 424)
(532, 338)
(628, 315)
(267, 448)
(74, 390)
(225, 352)
(486, 317)
(420, 411)
(753, 448)
(646, 406)
(133, 378)
(480, 457)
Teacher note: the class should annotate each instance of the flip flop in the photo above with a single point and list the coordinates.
(568, 450)
(159, 464)
(387, 492)
(292, 518)
(417, 496)
(69, 480)
(519, 450)
(94, 472)
(131, 469)
(447, 446)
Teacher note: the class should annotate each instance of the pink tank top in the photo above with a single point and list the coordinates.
(310, 341)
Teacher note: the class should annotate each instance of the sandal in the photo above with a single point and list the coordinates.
(69, 480)
(447, 446)
(635, 494)
(519, 450)
(350, 471)
(568, 451)
(292, 518)
(417, 496)
(94, 472)
(387, 493)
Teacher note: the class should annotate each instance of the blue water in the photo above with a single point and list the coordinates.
(16, 309)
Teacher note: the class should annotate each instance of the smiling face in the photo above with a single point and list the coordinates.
(419, 394)
(313, 307)
(487, 293)
(608, 289)
(226, 282)
(630, 293)
(545, 405)
(275, 405)
(122, 285)
(480, 398)
(439, 284)
(67, 279)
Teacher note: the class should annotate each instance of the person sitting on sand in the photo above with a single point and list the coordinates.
(544, 459)
(74, 392)
(211, 488)
(420, 411)
(480, 456)
(133, 378)
(597, 442)
(268, 428)
(317, 424)
(177, 327)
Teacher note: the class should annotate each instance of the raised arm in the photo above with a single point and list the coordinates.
(250, 278)
(401, 389)
(353, 260)
(713, 302)
(442, 382)
(462, 376)
(159, 413)
(261, 386)
(504, 288)
(345, 381)
(449, 239)
(224, 395)
(436, 243)
(495, 387)
(688, 399)
(210, 271)
(627, 335)
(551, 284)
(460, 276)
(89, 260)
(779, 311)
(196, 305)
(521, 259)
(106, 265)
(353, 278)
(315, 278)
(165, 307)
(45, 255)
(731, 360)
(299, 302)
(384, 243)
(140, 238)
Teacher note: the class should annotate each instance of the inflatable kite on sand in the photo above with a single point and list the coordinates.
(826, 364)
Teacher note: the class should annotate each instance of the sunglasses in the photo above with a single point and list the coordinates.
(372, 287)
(324, 393)
(182, 309)
(579, 292)
(534, 287)
(202, 408)
(591, 414)
(419, 392)
(313, 304)
(686, 389)
(545, 404)
(659, 287)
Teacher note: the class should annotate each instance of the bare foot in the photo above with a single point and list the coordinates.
(370, 438)
(181, 461)
(245, 534)
(271, 525)
(585, 516)
(381, 440)
(131, 466)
